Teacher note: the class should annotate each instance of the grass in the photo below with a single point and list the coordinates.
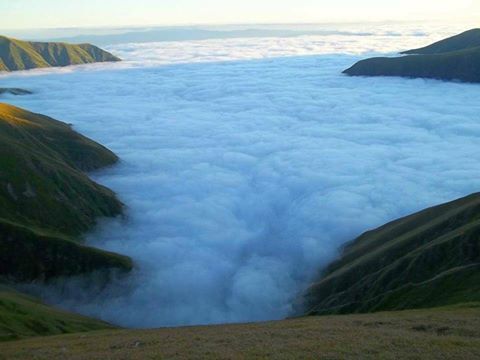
(431, 258)
(46, 199)
(447, 333)
(46, 203)
(27, 254)
(22, 55)
(42, 171)
(23, 316)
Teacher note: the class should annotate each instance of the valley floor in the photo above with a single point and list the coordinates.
(446, 333)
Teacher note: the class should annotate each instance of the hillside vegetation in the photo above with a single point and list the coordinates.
(428, 259)
(23, 55)
(46, 199)
(456, 58)
(23, 316)
(447, 333)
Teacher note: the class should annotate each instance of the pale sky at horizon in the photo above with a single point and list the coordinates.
(28, 14)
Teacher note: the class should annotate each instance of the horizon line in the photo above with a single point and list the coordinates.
(156, 25)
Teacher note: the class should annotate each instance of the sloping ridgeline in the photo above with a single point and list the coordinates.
(23, 55)
(428, 259)
(466, 40)
(46, 203)
(46, 199)
(455, 58)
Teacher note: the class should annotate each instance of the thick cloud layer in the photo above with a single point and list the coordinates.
(243, 178)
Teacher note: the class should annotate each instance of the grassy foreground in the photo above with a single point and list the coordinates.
(446, 333)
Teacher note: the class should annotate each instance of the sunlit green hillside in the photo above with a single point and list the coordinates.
(23, 55)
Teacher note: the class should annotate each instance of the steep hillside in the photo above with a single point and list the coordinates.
(46, 199)
(23, 55)
(420, 334)
(23, 316)
(428, 259)
(466, 40)
(457, 58)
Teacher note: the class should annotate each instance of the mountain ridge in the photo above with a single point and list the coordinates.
(47, 202)
(46, 198)
(452, 59)
(428, 259)
(24, 55)
(466, 40)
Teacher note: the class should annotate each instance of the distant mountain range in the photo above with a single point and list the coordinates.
(23, 55)
(455, 58)
(192, 34)
(428, 259)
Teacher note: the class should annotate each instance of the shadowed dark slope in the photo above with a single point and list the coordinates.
(14, 91)
(463, 65)
(428, 259)
(22, 55)
(456, 58)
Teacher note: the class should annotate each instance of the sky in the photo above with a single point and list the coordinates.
(28, 14)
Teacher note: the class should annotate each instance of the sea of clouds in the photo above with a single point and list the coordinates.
(247, 163)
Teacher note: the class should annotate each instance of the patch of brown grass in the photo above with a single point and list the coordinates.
(447, 333)
(14, 115)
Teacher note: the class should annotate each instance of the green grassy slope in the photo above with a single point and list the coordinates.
(466, 40)
(446, 333)
(22, 316)
(46, 199)
(456, 58)
(428, 259)
(22, 55)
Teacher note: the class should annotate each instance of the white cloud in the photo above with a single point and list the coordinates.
(242, 178)
(345, 39)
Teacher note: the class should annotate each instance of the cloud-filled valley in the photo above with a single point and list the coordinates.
(242, 178)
